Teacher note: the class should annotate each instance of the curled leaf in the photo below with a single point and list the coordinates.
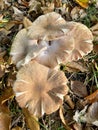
(4, 118)
(31, 120)
(91, 98)
(83, 3)
(63, 119)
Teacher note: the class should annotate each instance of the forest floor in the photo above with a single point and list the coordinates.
(82, 75)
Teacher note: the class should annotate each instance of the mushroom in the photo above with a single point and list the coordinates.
(71, 47)
(40, 89)
(47, 27)
(23, 49)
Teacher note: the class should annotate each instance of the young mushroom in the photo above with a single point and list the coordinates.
(71, 47)
(40, 89)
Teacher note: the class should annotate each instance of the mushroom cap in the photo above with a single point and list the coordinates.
(47, 27)
(40, 89)
(23, 49)
(71, 47)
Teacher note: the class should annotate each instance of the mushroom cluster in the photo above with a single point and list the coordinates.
(36, 51)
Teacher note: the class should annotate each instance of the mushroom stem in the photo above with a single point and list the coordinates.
(69, 101)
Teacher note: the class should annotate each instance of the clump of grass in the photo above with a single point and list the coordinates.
(91, 17)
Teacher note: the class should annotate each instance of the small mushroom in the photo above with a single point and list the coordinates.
(23, 49)
(72, 46)
(47, 27)
(40, 89)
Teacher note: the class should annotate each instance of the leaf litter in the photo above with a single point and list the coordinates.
(83, 78)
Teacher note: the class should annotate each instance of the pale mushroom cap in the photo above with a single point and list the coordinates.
(23, 49)
(72, 46)
(47, 27)
(40, 89)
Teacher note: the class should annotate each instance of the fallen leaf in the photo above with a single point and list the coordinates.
(83, 3)
(94, 27)
(27, 22)
(92, 112)
(1, 71)
(58, 3)
(94, 30)
(34, 6)
(32, 121)
(75, 66)
(1, 4)
(79, 88)
(5, 119)
(17, 11)
(77, 126)
(48, 8)
(96, 48)
(91, 98)
(6, 95)
(88, 115)
(17, 128)
(63, 119)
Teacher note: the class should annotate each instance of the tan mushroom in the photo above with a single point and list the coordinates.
(72, 46)
(23, 49)
(40, 89)
(47, 27)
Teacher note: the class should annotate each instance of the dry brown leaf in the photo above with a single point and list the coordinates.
(79, 88)
(17, 128)
(48, 8)
(92, 113)
(1, 71)
(63, 119)
(5, 119)
(6, 95)
(5, 31)
(91, 98)
(96, 48)
(31, 121)
(34, 6)
(58, 3)
(77, 126)
(94, 30)
(1, 4)
(83, 3)
(24, 2)
(27, 22)
(8, 26)
(75, 66)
